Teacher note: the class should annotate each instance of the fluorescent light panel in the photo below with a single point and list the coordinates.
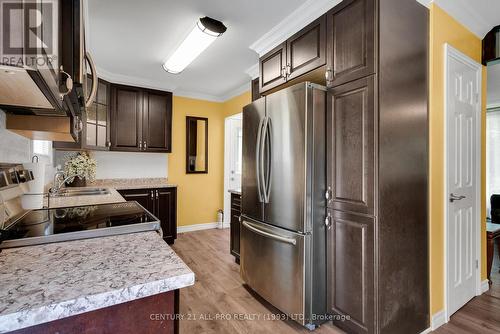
(195, 43)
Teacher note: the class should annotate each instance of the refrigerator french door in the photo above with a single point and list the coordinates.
(283, 207)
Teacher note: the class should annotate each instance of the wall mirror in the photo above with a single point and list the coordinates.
(196, 145)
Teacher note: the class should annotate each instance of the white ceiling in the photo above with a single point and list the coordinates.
(493, 86)
(479, 16)
(130, 39)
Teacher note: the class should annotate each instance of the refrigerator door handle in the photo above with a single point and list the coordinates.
(260, 160)
(257, 159)
(270, 235)
(269, 134)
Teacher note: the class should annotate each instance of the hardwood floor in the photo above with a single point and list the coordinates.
(481, 314)
(219, 291)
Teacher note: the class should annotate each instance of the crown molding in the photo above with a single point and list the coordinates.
(426, 3)
(298, 19)
(136, 81)
(236, 92)
(253, 72)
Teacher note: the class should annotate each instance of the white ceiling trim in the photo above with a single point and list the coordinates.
(468, 13)
(145, 83)
(253, 72)
(298, 19)
(236, 92)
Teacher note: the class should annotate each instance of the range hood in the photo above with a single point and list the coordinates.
(53, 128)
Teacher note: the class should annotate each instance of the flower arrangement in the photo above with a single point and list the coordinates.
(81, 164)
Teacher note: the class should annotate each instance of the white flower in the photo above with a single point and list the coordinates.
(80, 164)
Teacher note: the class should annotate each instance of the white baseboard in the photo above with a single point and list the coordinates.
(428, 330)
(199, 227)
(485, 286)
(438, 319)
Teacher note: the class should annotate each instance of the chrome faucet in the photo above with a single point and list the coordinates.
(56, 185)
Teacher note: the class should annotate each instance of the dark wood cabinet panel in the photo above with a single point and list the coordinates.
(350, 271)
(351, 146)
(235, 226)
(272, 68)
(162, 203)
(126, 118)
(143, 196)
(306, 50)
(157, 121)
(255, 89)
(166, 199)
(351, 41)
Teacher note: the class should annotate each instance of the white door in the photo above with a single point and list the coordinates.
(235, 156)
(463, 155)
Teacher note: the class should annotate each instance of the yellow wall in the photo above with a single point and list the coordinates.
(199, 196)
(444, 29)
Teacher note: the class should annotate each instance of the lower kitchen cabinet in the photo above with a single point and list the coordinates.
(350, 270)
(162, 203)
(235, 226)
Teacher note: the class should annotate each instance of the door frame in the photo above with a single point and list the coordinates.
(449, 53)
(227, 172)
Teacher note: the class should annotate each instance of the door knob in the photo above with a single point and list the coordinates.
(454, 198)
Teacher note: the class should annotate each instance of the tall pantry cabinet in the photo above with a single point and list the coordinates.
(377, 256)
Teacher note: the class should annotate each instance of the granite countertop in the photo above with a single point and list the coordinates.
(235, 191)
(53, 281)
(122, 184)
(61, 202)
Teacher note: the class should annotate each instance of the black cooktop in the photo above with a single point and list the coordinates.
(95, 219)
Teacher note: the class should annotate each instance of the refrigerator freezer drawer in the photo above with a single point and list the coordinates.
(272, 264)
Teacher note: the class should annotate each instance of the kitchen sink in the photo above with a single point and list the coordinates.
(67, 192)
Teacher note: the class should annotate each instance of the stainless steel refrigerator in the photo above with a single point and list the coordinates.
(283, 239)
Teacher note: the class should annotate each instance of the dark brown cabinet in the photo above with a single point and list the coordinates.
(351, 146)
(162, 203)
(377, 236)
(235, 226)
(300, 54)
(273, 68)
(306, 50)
(255, 89)
(350, 265)
(351, 41)
(141, 119)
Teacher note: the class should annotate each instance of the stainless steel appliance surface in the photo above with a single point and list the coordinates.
(283, 251)
(21, 227)
(81, 222)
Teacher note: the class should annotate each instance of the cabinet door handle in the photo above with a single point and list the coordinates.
(283, 72)
(152, 195)
(145, 145)
(328, 221)
(288, 70)
(157, 195)
(140, 145)
(328, 194)
(329, 75)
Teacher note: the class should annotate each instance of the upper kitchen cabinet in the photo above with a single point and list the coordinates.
(302, 53)
(351, 41)
(141, 119)
(95, 134)
(126, 118)
(272, 68)
(157, 121)
(306, 50)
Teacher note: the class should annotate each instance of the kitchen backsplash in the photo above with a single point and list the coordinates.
(123, 165)
(13, 147)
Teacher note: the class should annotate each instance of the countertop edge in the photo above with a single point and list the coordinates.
(52, 312)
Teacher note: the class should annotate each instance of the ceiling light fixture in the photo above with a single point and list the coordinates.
(203, 34)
